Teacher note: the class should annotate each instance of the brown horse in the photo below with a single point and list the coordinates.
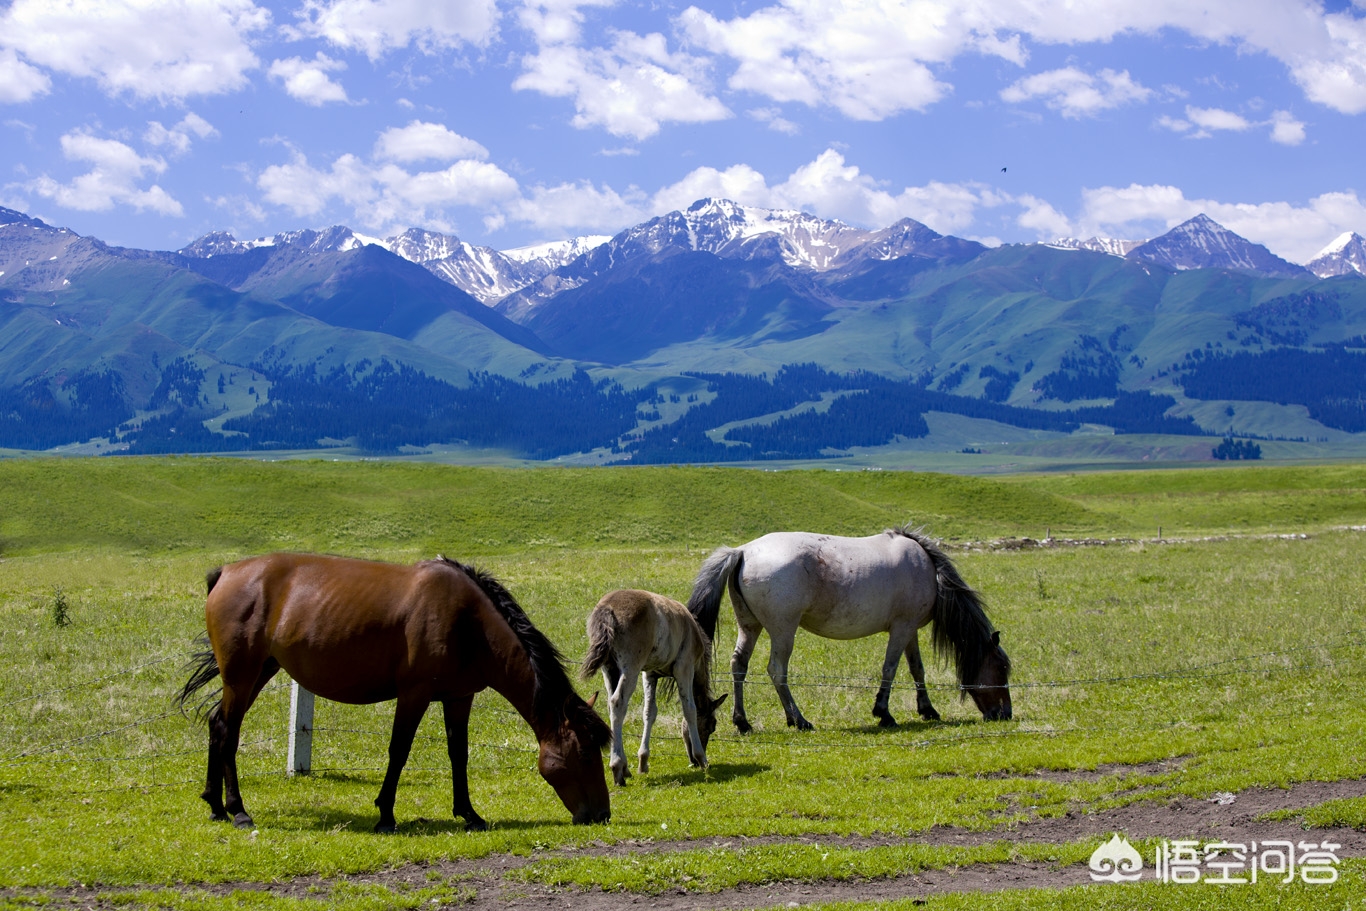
(361, 632)
(633, 633)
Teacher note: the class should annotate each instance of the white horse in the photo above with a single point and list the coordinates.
(848, 588)
(634, 633)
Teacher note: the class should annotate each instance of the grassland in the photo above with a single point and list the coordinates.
(1228, 649)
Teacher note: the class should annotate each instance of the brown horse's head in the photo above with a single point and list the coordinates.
(571, 761)
(991, 688)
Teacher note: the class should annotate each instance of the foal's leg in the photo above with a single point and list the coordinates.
(617, 703)
(780, 651)
(225, 733)
(692, 737)
(897, 640)
(650, 711)
(922, 695)
(407, 716)
(457, 716)
(745, 639)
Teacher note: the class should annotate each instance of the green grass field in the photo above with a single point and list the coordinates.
(1226, 646)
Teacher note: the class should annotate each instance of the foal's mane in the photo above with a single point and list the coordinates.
(554, 698)
(961, 629)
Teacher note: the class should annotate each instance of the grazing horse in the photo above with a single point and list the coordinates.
(848, 588)
(636, 633)
(360, 632)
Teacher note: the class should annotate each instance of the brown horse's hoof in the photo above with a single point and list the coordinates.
(386, 828)
(243, 821)
(476, 825)
(930, 715)
(886, 721)
(742, 725)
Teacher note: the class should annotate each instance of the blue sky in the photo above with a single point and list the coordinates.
(150, 122)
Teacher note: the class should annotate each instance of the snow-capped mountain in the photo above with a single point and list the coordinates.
(1112, 245)
(1344, 256)
(336, 239)
(1203, 243)
(482, 272)
(729, 230)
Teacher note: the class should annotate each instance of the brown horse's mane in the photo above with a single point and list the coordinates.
(961, 629)
(554, 699)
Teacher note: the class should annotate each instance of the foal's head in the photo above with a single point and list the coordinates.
(991, 687)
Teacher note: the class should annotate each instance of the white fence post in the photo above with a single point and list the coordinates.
(300, 730)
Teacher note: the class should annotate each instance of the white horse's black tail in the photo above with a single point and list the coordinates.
(718, 571)
(960, 630)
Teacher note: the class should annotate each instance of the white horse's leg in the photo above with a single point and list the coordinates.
(897, 641)
(922, 696)
(745, 639)
(780, 651)
(650, 711)
(617, 703)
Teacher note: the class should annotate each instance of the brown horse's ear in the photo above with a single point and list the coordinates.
(593, 699)
(715, 703)
(996, 637)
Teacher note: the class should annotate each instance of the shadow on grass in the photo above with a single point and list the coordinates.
(716, 773)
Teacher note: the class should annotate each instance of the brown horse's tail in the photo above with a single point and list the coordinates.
(717, 571)
(203, 663)
(203, 671)
(602, 630)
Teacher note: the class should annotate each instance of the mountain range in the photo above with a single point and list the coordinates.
(428, 326)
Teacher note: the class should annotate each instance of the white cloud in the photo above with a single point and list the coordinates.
(739, 183)
(1207, 120)
(1041, 217)
(578, 207)
(420, 141)
(1295, 232)
(167, 50)
(1202, 123)
(116, 170)
(630, 88)
(775, 120)
(869, 60)
(384, 195)
(20, 82)
(830, 187)
(378, 26)
(1285, 129)
(872, 59)
(1076, 93)
(307, 80)
(178, 136)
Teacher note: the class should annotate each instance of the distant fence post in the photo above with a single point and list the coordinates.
(300, 730)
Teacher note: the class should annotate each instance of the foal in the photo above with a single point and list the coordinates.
(634, 632)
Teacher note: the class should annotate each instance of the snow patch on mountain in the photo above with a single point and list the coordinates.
(1346, 255)
(1111, 245)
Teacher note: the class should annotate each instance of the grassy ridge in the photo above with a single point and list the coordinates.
(242, 506)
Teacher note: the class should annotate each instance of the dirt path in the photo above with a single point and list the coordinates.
(1228, 817)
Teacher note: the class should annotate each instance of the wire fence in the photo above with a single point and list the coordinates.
(70, 750)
